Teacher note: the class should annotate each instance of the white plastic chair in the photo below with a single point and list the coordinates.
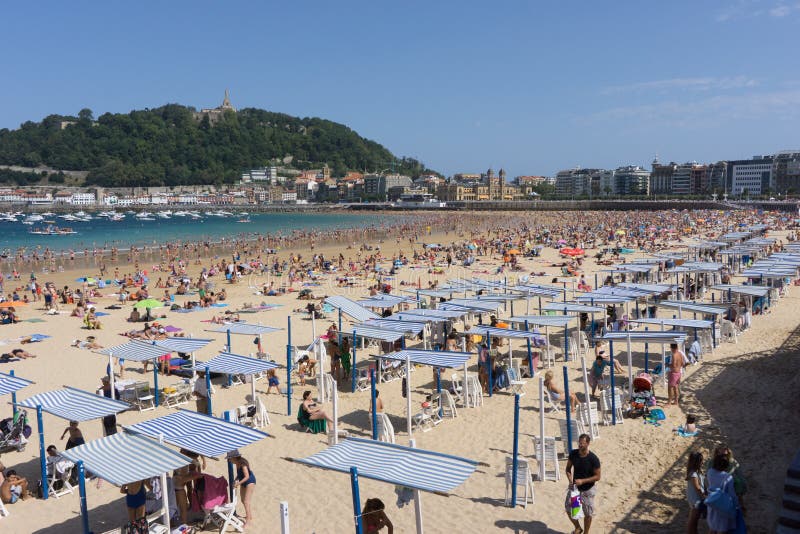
(224, 516)
(728, 331)
(514, 383)
(524, 480)
(577, 430)
(145, 399)
(457, 388)
(448, 405)
(584, 410)
(605, 406)
(53, 478)
(549, 402)
(548, 356)
(551, 470)
(261, 419)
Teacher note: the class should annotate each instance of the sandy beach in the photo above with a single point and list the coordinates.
(733, 392)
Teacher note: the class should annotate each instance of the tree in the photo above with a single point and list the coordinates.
(86, 115)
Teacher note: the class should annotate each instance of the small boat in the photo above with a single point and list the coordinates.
(52, 230)
(244, 220)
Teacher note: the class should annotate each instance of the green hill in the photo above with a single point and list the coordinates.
(171, 145)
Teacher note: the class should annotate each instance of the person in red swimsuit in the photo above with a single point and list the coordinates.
(374, 518)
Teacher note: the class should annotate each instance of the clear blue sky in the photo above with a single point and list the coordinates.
(532, 86)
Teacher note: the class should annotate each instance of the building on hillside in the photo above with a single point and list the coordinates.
(82, 199)
(786, 171)
(661, 177)
(215, 114)
(263, 174)
(530, 180)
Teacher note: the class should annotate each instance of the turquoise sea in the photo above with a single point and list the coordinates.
(104, 233)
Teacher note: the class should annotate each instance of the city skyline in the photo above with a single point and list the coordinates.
(534, 89)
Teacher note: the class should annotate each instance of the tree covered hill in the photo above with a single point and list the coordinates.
(171, 146)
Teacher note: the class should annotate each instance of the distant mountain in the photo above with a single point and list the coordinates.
(176, 145)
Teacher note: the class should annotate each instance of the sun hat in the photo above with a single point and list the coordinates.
(233, 454)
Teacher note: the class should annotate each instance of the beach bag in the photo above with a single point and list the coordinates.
(657, 414)
(575, 504)
(720, 501)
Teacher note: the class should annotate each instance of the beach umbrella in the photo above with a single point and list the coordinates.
(620, 232)
(12, 303)
(513, 251)
(149, 304)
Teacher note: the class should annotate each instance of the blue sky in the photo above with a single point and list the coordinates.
(533, 87)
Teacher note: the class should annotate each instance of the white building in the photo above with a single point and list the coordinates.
(753, 176)
(82, 199)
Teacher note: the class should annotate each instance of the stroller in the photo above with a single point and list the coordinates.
(14, 432)
(643, 396)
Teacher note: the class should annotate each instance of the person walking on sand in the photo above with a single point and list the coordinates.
(583, 471)
(677, 362)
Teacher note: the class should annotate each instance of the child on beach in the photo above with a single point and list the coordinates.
(75, 435)
(690, 426)
(273, 382)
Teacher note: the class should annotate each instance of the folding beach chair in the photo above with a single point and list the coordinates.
(58, 483)
(261, 419)
(549, 402)
(514, 383)
(605, 406)
(224, 516)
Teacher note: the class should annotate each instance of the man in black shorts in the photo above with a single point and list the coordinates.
(583, 470)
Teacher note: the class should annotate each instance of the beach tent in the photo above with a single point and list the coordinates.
(434, 358)
(408, 467)
(137, 351)
(230, 364)
(245, 329)
(73, 405)
(124, 458)
(629, 337)
(488, 332)
(350, 308)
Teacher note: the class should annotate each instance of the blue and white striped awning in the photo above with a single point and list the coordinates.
(377, 303)
(372, 332)
(199, 432)
(604, 298)
(125, 458)
(395, 464)
(182, 344)
(10, 384)
(75, 404)
(228, 363)
(245, 329)
(503, 333)
(480, 306)
(534, 290)
(406, 327)
(753, 291)
(681, 323)
(350, 308)
(435, 358)
(430, 315)
(697, 267)
(672, 336)
(694, 307)
(135, 351)
(559, 321)
(572, 307)
(653, 289)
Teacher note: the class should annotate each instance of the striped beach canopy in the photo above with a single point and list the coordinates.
(653, 289)
(538, 290)
(395, 464)
(75, 404)
(350, 308)
(199, 432)
(753, 291)
(10, 384)
(694, 307)
(672, 336)
(680, 323)
(481, 306)
(572, 307)
(377, 303)
(429, 315)
(135, 351)
(229, 363)
(435, 358)
(437, 293)
(124, 458)
(559, 321)
(503, 332)
(604, 298)
(373, 332)
(245, 329)
(407, 327)
(183, 344)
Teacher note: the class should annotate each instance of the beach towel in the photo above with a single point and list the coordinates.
(183, 310)
(171, 329)
(38, 337)
(219, 305)
(682, 433)
(33, 320)
(101, 314)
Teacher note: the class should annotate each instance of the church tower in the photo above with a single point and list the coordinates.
(502, 182)
(226, 102)
(489, 181)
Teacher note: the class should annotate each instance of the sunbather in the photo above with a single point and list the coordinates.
(312, 409)
(556, 393)
(20, 353)
(13, 488)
